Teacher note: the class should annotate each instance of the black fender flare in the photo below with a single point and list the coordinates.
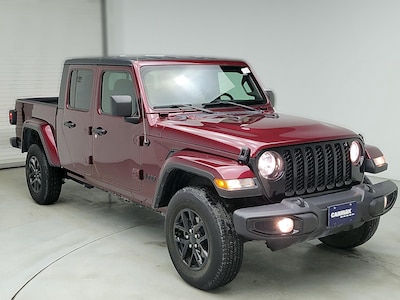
(206, 166)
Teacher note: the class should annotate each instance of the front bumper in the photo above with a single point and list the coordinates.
(310, 215)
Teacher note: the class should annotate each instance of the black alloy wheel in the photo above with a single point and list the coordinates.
(202, 242)
(44, 181)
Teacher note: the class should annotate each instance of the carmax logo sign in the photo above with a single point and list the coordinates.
(345, 213)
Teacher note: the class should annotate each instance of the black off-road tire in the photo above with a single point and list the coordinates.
(44, 181)
(203, 245)
(354, 237)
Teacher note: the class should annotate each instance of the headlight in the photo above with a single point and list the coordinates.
(270, 165)
(355, 153)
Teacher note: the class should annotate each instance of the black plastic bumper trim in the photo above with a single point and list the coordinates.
(313, 213)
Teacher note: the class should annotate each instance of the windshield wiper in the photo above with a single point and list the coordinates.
(181, 106)
(219, 102)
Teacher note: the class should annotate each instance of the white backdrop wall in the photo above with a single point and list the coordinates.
(36, 36)
(337, 61)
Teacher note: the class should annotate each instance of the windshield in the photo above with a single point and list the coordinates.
(199, 84)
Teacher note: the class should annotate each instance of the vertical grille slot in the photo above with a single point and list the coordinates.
(316, 167)
(299, 167)
(320, 161)
(339, 165)
(289, 191)
(310, 175)
(347, 179)
(330, 184)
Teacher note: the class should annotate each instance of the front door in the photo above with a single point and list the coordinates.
(117, 150)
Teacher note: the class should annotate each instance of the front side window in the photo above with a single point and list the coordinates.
(80, 93)
(115, 83)
(199, 84)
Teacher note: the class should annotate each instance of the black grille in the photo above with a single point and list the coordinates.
(316, 167)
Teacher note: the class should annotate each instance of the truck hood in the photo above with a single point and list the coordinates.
(229, 132)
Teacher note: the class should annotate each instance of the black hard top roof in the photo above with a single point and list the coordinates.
(129, 60)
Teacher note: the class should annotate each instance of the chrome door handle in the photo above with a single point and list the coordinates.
(99, 131)
(69, 124)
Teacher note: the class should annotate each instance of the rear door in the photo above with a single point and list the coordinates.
(75, 124)
(117, 150)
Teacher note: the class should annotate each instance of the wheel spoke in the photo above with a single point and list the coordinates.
(204, 252)
(35, 184)
(198, 224)
(198, 257)
(184, 250)
(192, 218)
(185, 220)
(180, 228)
(202, 239)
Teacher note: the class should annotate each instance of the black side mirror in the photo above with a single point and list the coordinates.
(121, 105)
(271, 96)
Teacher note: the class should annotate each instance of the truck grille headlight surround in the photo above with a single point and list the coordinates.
(356, 153)
(270, 165)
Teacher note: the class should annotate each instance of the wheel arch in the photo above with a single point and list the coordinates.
(40, 132)
(187, 168)
(177, 176)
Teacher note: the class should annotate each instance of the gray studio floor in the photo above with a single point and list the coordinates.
(85, 247)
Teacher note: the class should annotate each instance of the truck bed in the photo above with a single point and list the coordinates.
(44, 100)
(40, 108)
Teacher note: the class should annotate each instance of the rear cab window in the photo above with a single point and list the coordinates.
(80, 89)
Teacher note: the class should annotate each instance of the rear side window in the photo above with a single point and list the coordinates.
(80, 93)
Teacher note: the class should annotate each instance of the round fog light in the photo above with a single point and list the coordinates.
(285, 225)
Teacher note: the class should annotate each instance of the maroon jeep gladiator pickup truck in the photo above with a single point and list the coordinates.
(198, 139)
